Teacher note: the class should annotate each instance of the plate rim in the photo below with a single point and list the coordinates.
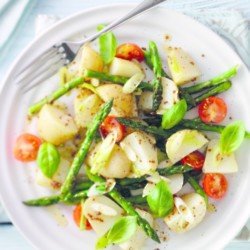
(68, 18)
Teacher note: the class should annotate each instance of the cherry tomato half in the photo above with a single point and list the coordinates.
(130, 51)
(196, 160)
(110, 124)
(212, 109)
(77, 212)
(26, 147)
(215, 185)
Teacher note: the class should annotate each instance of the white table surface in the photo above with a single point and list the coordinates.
(10, 238)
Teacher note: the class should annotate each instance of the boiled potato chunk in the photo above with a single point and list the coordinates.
(86, 105)
(182, 67)
(217, 163)
(57, 179)
(55, 125)
(101, 213)
(124, 104)
(136, 242)
(139, 148)
(177, 220)
(183, 143)
(90, 59)
(146, 101)
(123, 67)
(118, 166)
(169, 95)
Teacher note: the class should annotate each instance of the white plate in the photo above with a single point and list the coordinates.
(17, 183)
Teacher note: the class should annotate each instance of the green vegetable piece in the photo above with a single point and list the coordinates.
(222, 87)
(107, 44)
(116, 79)
(121, 231)
(55, 95)
(155, 59)
(161, 200)
(231, 137)
(195, 185)
(174, 115)
(48, 159)
(43, 202)
(84, 148)
(225, 76)
(157, 93)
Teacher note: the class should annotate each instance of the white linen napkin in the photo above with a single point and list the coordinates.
(231, 25)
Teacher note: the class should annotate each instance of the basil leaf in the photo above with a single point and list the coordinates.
(174, 115)
(48, 159)
(121, 231)
(107, 44)
(161, 200)
(231, 137)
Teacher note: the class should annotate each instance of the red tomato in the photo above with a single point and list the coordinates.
(77, 212)
(212, 109)
(110, 124)
(195, 160)
(130, 51)
(26, 147)
(215, 185)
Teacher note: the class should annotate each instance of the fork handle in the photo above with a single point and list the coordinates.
(143, 6)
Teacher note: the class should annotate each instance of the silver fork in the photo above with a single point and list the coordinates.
(47, 64)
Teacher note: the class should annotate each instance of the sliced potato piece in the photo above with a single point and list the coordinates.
(119, 166)
(179, 220)
(182, 67)
(123, 67)
(217, 163)
(90, 59)
(101, 213)
(58, 178)
(124, 104)
(139, 148)
(170, 95)
(183, 143)
(146, 101)
(55, 125)
(136, 242)
(86, 105)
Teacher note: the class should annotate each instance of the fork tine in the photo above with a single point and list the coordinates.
(40, 79)
(36, 66)
(43, 55)
(32, 73)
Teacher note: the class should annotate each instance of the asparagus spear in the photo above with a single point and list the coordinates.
(225, 76)
(56, 95)
(222, 87)
(137, 199)
(148, 61)
(155, 59)
(116, 79)
(127, 206)
(199, 125)
(157, 93)
(189, 99)
(54, 199)
(84, 148)
(149, 129)
(44, 201)
(157, 68)
(178, 169)
(82, 185)
(195, 185)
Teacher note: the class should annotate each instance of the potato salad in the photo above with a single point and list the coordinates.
(122, 151)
